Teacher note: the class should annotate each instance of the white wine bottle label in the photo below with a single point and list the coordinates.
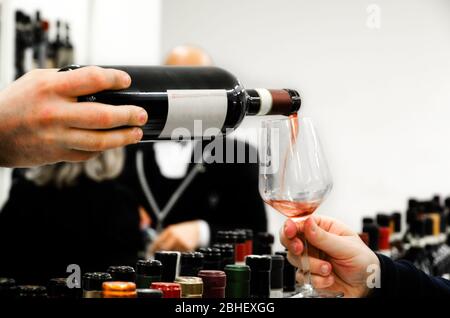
(195, 113)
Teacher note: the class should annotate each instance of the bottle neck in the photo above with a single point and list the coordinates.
(263, 102)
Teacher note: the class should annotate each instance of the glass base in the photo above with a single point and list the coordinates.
(310, 292)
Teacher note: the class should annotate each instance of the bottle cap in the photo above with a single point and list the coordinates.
(260, 268)
(212, 260)
(367, 220)
(191, 287)
(95, 280)
(248, 233)
(149, 293)
(259, 262)
(436, 200)
(122, 273)
(210, 253)
(31, 291)
(276, 273)
(57, 288)
(237, 273)
(228, 237)
(265, 238)
(412, 203)
(289, 272)
(227, 252)
(118, 289)
(169, 260)
(148, 267)
(214, 283)
(119, 286)
(213, 278)
(238, 281)
(191, 263)
(383, 220)
(169, 290)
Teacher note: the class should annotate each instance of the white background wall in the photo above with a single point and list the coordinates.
(125, 32)
(380, 97)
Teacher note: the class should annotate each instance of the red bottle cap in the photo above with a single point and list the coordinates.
(170, 290)
(240, 252)
(213, 278)
(214, 283)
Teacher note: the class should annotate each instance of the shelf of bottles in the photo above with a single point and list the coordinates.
(426, 240)
(34, 48)
(238, 264)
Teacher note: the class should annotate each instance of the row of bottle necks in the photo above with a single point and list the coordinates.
(34, 48)
(426, 240)
(229, 268)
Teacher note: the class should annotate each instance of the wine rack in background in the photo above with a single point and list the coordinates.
(34, 48)
(426, 240)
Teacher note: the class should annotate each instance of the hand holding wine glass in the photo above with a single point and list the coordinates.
(346, 260)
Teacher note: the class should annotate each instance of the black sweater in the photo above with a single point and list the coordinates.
(402, 279)
(44, 229)
(225, 195)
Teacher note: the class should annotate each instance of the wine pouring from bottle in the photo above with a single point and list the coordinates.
(193, 102)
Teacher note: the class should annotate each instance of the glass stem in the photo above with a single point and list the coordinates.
(306, 269)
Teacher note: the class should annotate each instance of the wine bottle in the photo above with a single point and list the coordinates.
(67, 51)
(193, 102)
(56, 53)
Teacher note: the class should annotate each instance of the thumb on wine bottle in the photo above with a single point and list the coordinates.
(332, 244)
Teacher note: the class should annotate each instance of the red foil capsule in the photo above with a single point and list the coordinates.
(170, 290)
(240, 248)
(248, 247)
(248, 242)
(214, 283)
(383, 238)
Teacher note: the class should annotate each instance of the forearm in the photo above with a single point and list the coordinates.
(402, 279)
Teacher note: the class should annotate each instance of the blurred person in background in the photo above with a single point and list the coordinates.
(189, 201)
(69, 213)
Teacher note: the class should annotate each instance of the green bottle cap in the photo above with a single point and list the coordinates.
(238, 281)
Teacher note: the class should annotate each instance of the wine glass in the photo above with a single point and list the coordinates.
(294, 178)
